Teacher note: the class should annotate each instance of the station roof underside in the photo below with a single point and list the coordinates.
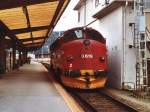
(29, 22)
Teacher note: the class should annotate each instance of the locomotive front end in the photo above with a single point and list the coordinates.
(86, 67)
(79, 58)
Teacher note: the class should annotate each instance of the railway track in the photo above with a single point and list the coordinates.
(96, 101)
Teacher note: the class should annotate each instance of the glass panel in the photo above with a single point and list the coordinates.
(23, 35)
(13, 18)
(78, 33)
(41, 33)
(42, 14)
(40, 40)
(28, 42)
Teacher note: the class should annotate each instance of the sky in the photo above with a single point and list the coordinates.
(69, 18)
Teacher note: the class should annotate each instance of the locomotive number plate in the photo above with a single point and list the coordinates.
(86, 56)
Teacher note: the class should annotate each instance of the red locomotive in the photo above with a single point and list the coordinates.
(79, 58)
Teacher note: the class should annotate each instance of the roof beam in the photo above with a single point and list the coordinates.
(7, 32)
(30, 39)
(52, 25)
(25, 10)
(79, 4)
(33, 48)
(7, 4)
(31, 29)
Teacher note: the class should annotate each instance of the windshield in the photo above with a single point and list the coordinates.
(78, 33)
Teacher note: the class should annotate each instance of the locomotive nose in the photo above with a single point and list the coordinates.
(87, 77)
(86, 42)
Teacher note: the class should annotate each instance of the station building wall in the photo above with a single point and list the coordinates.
(119, 35)
(130, 54)
(111, 28)
(81, 13)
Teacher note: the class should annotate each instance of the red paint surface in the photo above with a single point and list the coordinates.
(82, 57)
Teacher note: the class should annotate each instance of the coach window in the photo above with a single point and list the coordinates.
(97, 3)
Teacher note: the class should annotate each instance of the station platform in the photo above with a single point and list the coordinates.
(140, 104)
(28, 89)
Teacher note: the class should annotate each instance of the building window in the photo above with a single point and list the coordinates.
(97, 3)
(106, 2)
(102, 2)
(78, 16)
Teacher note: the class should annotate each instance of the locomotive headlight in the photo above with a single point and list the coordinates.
(102, 59)
(86, 42)
(70, 65)
(70, 58)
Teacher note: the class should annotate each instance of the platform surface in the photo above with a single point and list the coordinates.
(140, 104)
(29, 90)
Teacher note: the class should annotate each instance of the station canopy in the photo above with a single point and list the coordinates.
(29, 22)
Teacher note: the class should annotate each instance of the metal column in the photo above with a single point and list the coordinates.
(14, 55)
(2, 53)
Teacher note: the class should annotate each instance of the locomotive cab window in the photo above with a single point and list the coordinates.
(95, 35)
(69, 36)
(72, 35)
(78, 33)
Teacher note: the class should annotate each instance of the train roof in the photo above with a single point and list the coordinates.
(71, 34)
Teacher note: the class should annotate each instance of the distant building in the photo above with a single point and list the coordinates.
(44, 51)
(115, 20)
